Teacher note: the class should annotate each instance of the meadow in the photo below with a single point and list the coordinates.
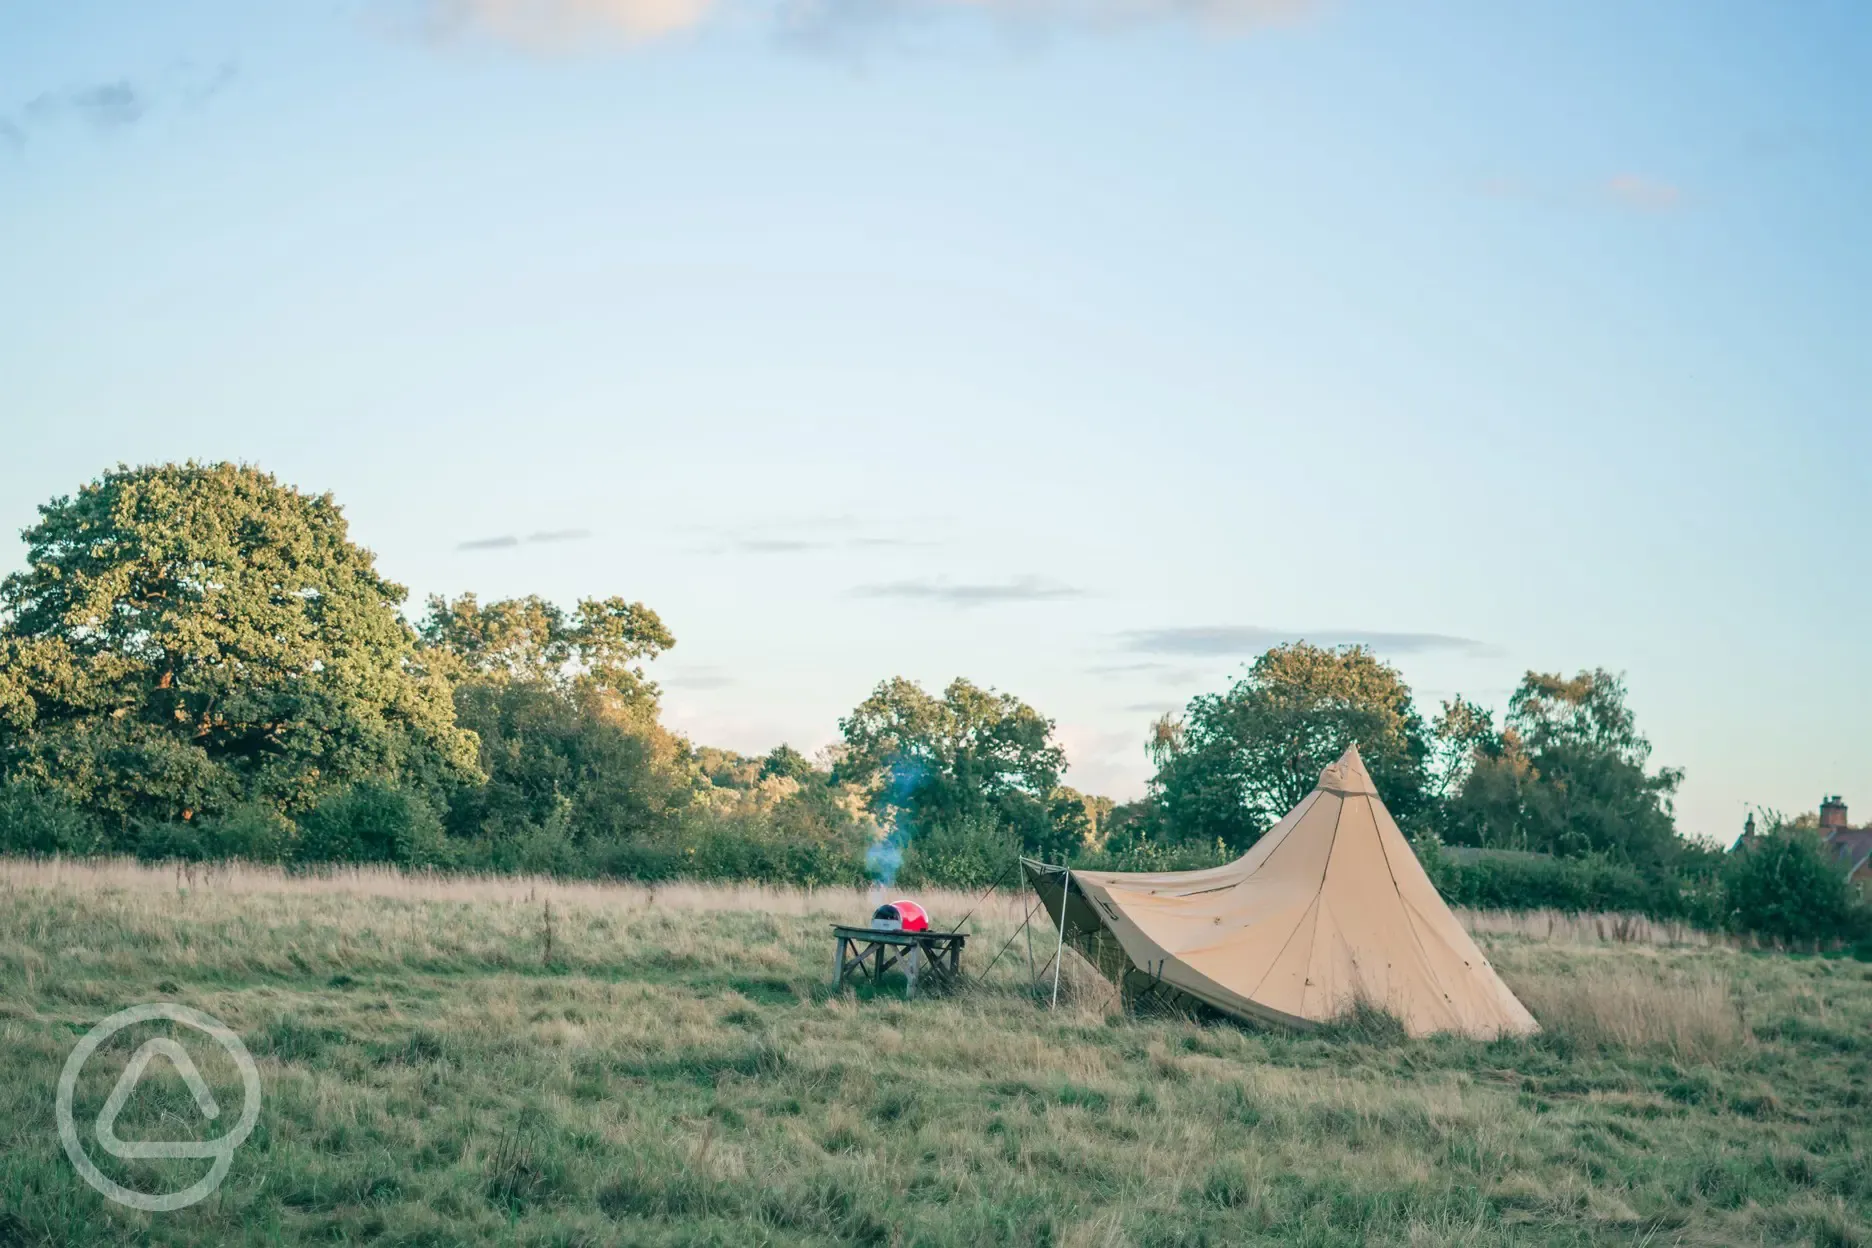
(517, 1061)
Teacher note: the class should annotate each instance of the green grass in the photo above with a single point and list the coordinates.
(677, 1073)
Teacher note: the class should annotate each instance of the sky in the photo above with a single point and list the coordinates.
(1083, 348)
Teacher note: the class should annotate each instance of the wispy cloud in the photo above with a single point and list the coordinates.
(1019, 589)
(565, 25)
(1249, 639)
(1643, 194)
(696, 678)
(1631, 192)
(119, 104)
(887, 543)
(798, 536)
(1160, 672)
(202, 84)
(507, 541)
(104, 105)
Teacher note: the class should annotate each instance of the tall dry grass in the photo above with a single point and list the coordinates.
(1557, 927)
(946, 906)
(1639, 1001)
(126, 875)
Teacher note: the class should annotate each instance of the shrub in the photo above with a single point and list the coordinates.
(254, 832)
(162, 841)
(1512, 880)
(795, 842)
(1784, 888)
(372, 822)
(39, 821)
(1529, 882)
(969, 852)
(1144, 854)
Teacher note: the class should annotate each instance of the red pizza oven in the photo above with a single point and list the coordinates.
(900, 916)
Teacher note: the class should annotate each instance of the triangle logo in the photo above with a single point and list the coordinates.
(184, 1065)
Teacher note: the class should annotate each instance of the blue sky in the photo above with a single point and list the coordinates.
(1082, 348)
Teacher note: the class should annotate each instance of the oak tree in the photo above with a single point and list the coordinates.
(190, 637)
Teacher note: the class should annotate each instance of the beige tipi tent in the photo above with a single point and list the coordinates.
(1329, 909)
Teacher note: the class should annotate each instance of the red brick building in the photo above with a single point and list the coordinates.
(1850, 847)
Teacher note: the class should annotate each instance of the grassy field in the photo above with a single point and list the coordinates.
(673, 1070)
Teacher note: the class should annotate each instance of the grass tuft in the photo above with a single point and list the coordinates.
(1643, 1002)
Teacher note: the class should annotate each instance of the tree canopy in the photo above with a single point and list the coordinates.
(188, 637)
(565, 716)
(602, 644)
(972, 752)
(1566, 774)
(1237, 761)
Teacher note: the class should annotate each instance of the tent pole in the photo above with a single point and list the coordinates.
(1059, 959)
(1033, 971)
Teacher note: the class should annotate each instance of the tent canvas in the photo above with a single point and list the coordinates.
(1327, 910)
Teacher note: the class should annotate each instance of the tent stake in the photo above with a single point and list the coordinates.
(1059, 959)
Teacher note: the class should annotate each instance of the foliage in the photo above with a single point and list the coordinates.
(603, 643)
(253, 832)
(1075, 818)
(797, 842)
(372, 822)
(729, 769)
(1141, 853)
(188, 638)
(1239, 760)
(569, 756)
(972, 754)
(1781, 887)
(1462, 732)
(1785, 888)
(787, 762)
(1517, 880)
(1566, 775)
(39, 821)
(969, 853)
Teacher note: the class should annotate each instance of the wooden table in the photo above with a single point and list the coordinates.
(866, 951)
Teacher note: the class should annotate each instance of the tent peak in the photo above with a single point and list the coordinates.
(1348, 776)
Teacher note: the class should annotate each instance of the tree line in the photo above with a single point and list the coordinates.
(198, 662)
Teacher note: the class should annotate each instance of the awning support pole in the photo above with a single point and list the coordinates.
(1033, 970)
(1059, 959)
